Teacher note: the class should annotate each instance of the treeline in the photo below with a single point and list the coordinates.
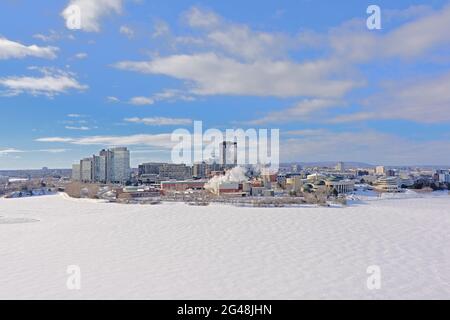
(82, 190)
(435, 186)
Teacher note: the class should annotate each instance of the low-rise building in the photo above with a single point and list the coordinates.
(149, 178)
(316, 177)
(225, 187)
(170, 171)
(387, 184)
(257, 191)
(137, 193)
(183, 185)
(341, 186)
(294, 183)
(405, 181)
(268, 193)
(149, 168)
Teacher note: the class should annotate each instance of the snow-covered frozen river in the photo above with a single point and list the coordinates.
(175, 251)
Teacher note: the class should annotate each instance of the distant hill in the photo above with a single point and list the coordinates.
(36, 173)
(352, 164)
(330, 164)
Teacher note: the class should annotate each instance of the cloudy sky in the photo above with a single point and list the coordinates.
(139, 69)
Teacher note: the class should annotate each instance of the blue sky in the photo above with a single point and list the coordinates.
(137, 70)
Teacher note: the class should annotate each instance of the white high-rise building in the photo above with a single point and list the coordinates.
(86, 170)
(76, 172)
(109, 166)
(100, 173)
(119, 164)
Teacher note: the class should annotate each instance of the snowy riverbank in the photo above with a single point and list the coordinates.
(176, 251)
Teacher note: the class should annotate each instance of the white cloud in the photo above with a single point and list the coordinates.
(6, 152)
(236, 60)
(46, 38)
(354, 117)
(51, 83)
(235, 39)
(169, 95)
(412, 40)
(418, 37)
(362, 146)
(199, 18)
(75, 115)
(53, 150)
(189, 41)
(159, 121)
(304, 110)
(173, 95)
(211, 74)
(10, 150)
(161, 28)
(127, 31)
(112, 99)
(158, 140)
(53, 36)
(55, 139)
(141, 101)
(92, 11)
(413, 11)
(227, 58)
(241, 41)
(81, 55)
(422, 100)
(81, 128)
(11, 49)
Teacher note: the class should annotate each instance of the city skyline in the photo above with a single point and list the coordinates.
(137, 70)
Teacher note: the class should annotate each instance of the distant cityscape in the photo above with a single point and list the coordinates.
(109, 176)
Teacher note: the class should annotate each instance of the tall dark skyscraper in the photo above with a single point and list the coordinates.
(228, 154)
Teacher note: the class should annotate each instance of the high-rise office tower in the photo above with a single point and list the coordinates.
(76, 172)
(100, 173)
(119, 167)
(112, 165)
(86, 170)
